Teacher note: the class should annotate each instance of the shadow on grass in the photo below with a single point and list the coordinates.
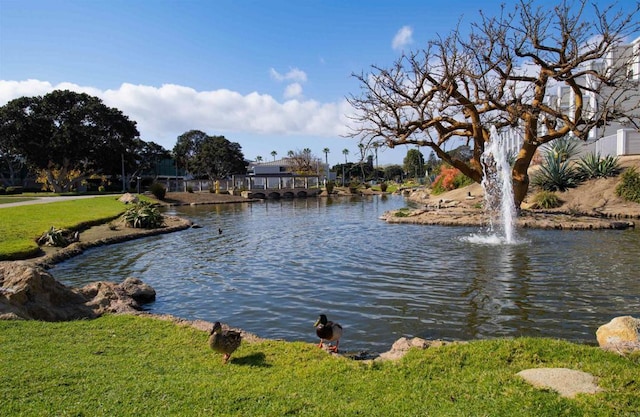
(255, 359)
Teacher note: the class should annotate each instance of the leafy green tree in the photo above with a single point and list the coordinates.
(147, 155)
(63, 132)
(393, 172)
(207, 156)
(218, 158)
(413, 163)
(186, 148)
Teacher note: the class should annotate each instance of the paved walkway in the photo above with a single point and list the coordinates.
(44, 200)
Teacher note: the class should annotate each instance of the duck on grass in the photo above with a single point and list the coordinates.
(328, 331)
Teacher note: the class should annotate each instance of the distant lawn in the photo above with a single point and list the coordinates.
(20, 226)
(4, 200)
(138, 366)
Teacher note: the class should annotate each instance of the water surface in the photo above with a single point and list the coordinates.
(278, 264)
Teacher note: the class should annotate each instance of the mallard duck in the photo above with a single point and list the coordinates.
(224, 341)
(329, 331)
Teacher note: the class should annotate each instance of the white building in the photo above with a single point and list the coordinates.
(617, 138)
(620, 137)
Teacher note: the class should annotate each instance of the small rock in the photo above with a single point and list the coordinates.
(567, 382)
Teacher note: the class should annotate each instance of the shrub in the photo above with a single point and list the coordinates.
(189, 189)
(403, 212)
(546, 200)
(143, 215)
(158, 190)
(101, 189)
(329, 186)
(594, 166)
(629, 185)
(2, 190)
(449, 179)
(13, 190)
(383, 187)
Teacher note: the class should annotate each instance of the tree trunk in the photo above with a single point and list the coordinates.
(520, 175)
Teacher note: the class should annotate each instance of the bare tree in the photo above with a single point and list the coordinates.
(303, 162)
(501, 75)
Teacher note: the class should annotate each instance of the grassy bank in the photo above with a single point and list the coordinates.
(21, 226)
(125, 365)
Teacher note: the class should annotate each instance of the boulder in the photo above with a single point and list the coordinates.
(128, 198)
(621, 334)
(138, 290)
(29, 292)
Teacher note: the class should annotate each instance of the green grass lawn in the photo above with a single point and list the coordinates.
(20, 226)
(127, 365)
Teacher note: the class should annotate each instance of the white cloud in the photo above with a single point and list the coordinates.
(293, 90)
(403, 38)
(163, 113)
(294, 74)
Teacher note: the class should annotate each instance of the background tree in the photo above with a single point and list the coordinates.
(147, 156)
(345, 152)
(304, 162)
(459, 86)
(64, 132)
(210, 157)
(326, 160)
(432, 165)
(393, 173)
(11, 162)
(413, 163)
(217, 158)
(274, 153)
(186, 149)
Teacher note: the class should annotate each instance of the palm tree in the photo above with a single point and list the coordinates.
(376, 145)
(345, 152)
(274, 153)
(258, 159)
(326, 160)
(362, 152)
(290, 154)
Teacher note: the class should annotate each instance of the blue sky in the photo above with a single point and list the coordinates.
(270, 75)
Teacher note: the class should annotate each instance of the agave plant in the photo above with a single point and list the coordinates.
(593, 165)
(563, 149)
(143, 215)
(555, 174)
(57, 237)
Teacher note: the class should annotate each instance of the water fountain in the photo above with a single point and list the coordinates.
(498, 192)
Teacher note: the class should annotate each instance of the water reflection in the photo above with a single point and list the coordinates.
(278, 264)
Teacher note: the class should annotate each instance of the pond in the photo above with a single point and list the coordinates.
(278, 264)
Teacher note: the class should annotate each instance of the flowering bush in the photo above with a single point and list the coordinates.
(449, 179)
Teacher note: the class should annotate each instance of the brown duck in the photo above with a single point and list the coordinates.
(329, 331)
(224, 341)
